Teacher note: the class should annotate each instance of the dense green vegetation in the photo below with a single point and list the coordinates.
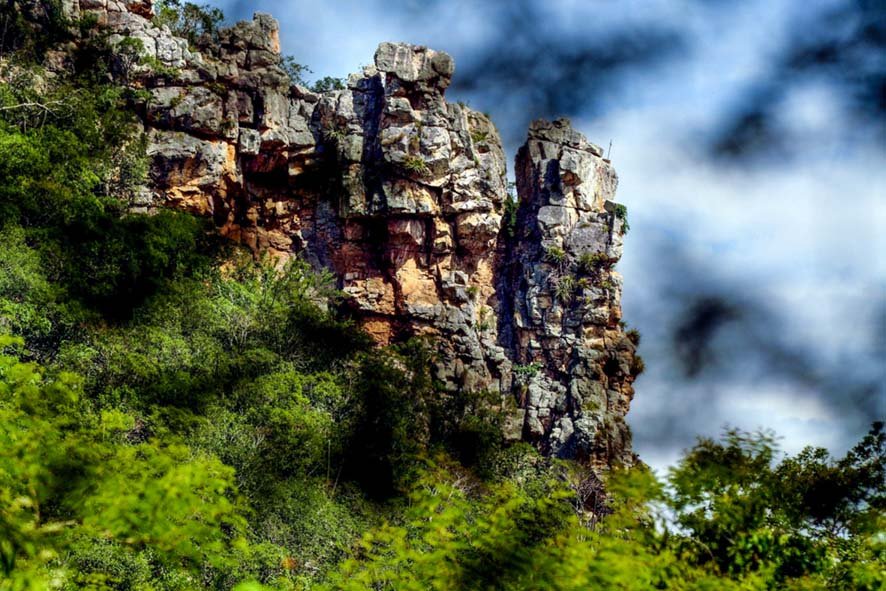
(175, 415)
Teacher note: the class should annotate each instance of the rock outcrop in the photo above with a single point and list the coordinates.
(560, 310)
(405, 198)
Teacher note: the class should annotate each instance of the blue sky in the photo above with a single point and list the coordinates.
(749, 141)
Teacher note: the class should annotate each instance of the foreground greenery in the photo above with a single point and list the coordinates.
(177, 415)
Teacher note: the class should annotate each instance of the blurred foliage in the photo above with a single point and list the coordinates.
(728, 517)
(68, 472)
(805, 522)
(176, 415)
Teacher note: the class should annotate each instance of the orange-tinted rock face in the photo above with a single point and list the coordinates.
(401, 195)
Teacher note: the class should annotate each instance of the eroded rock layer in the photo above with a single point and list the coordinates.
(402, 196)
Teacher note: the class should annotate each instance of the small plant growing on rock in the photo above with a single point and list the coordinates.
(583, 284)
(483, 319)
(527, 371)
(334, 134)
(565, 288)
(556, 256)
(478, 137)
(590, 262)
(415, 138)
(638, 366)
(473, 292)
(158, 68)
(218, 88)
(621, 213)
(634, 336)
(175, 101)
(131, 59)
(415, 164)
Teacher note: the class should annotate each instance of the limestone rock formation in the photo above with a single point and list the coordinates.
(402, 194)
(563, 296)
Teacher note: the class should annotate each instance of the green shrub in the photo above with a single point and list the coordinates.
(32, 305)
(392, 423)
(564, 288)
(129, 53)
(515, 541)
(74, 214)
(479, 137)
(638, 365)
(107, 564)
(519, 462)
(159, 68)
(334, 135)
(63, 479)
(621, 213)
(583, 284)
(591, 263)
(556, 256)
(527, 371)
(415, 165)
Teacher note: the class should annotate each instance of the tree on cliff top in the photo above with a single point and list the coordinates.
(188, 20)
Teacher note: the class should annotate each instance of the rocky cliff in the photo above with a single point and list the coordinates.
(404, 196)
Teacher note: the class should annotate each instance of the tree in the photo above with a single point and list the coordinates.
(730, 517)
(809, 517)
(328, 83)
(189, 20)
(295, 70)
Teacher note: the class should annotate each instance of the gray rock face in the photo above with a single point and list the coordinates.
(411, 64)
(563, 309)
(401, 195)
